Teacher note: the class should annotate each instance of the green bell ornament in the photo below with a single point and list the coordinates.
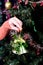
(19, 46)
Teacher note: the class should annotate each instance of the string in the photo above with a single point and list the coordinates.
(35, 2)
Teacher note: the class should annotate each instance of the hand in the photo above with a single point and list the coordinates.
(15, 24)
(12, 23)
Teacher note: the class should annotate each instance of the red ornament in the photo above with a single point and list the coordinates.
(38, 52)
(27, 36)
(41, 4)
(16, 7)
(19, 1)
(34, 4)
(26, 2)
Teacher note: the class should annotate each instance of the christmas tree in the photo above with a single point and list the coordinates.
(30, 12)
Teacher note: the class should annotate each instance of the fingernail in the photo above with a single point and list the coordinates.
(21, 29)
(18, 31)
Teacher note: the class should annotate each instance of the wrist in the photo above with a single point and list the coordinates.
(4, 30)
(6, 25)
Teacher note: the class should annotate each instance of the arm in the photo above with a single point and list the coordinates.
(13, 23)
(4, 30)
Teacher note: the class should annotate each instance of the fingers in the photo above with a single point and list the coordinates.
(15, 19)
(15, 24)
(18, 21)
(14, 28)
